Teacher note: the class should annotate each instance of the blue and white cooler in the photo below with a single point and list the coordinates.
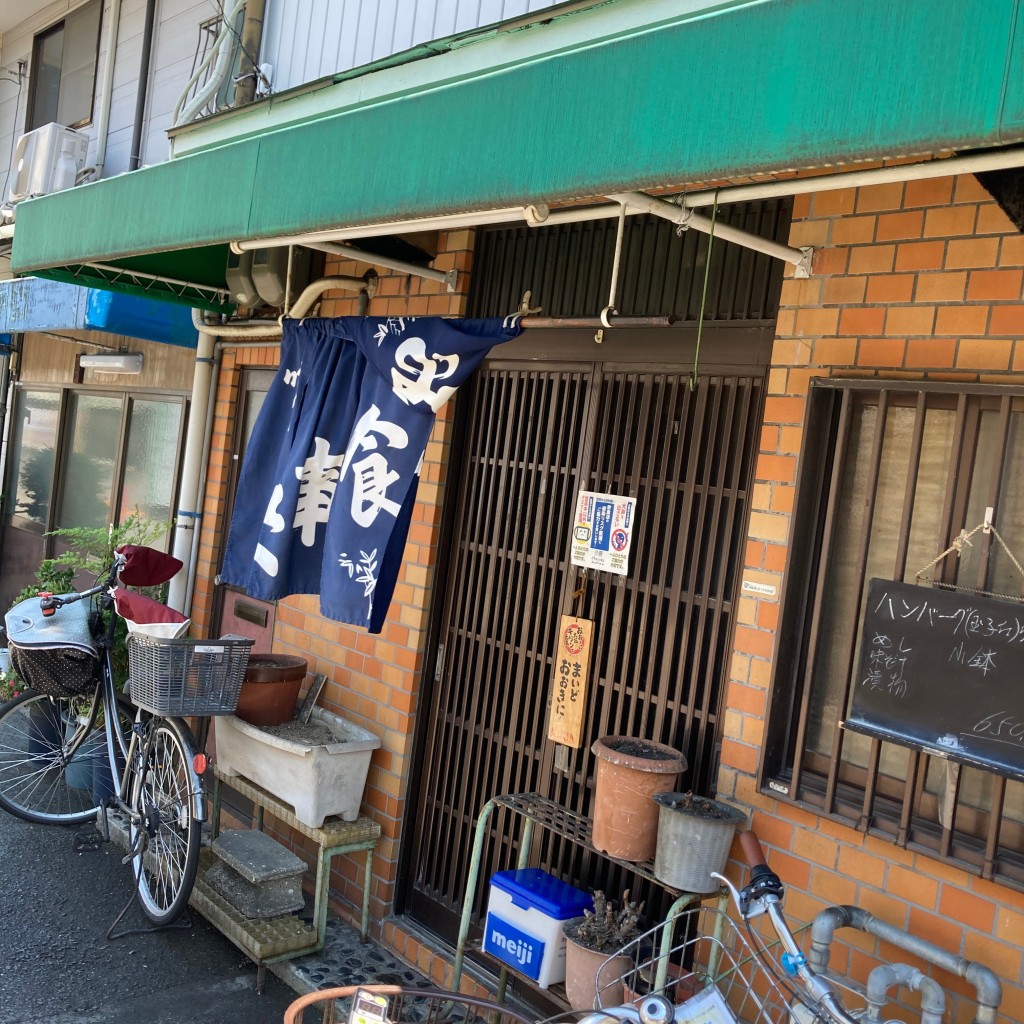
(525, 912)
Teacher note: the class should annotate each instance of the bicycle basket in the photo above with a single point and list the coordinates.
(55, 654)
(187, 677)
(709, 952)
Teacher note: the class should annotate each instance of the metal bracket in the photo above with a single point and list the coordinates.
(803, 268)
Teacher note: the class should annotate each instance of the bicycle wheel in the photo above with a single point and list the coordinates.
(162, 803)
(37, 781)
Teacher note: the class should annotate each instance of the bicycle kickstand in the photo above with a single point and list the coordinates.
(90, 838)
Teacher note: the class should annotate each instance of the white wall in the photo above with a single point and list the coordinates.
(304, 40)
(309, 39)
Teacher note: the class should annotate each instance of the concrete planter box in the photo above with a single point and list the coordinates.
(316, 780)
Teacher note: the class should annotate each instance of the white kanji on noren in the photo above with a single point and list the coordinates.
(415, 372)
(371, 476)
(318, 480)
(263, 556)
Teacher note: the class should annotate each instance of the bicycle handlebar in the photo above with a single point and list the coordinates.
(751, 847)
(49, 603)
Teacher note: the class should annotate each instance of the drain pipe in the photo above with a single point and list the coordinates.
(887, 976)
(198, 438)
(988, 988)
(106, 90)
(143, 92)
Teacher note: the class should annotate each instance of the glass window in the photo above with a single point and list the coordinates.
(150, 461)
(32, 452)
(890, 476)
(93, 438)
(63, 72)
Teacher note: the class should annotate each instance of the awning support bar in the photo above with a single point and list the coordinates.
(446, 277)
(687, 218)
(115, 273)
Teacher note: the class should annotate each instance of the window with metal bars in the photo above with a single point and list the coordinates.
(891, 473)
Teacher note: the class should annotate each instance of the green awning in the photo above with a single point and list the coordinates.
(764, 87)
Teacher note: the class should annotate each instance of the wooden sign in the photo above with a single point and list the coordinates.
(572, 666)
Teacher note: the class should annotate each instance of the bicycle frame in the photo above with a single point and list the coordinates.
(105, 696)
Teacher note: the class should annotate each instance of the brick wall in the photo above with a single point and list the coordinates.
(922, 279)
(372, 680)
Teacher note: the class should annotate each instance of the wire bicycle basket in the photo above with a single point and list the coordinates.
(187, 677)
(709, 964)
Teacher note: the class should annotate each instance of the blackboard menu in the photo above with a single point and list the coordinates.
(942, 671)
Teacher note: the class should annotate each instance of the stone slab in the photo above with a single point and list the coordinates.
(255, 856)
(258, 900)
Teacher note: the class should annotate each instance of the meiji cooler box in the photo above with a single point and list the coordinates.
(525, 912)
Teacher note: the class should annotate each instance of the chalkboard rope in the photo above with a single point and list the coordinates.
(962, 540)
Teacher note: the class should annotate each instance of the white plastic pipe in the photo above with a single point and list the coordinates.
(186, 521)
(686, 218)
(106, 89)
(184, 112)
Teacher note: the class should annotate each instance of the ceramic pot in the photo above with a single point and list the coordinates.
(629, 773)
(593, 979)
(694, 836)
(45, 728)
(270, 689)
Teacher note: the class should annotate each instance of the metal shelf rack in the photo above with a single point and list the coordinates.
(539, 812)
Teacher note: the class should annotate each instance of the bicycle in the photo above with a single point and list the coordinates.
(71, 723)
(725, 967)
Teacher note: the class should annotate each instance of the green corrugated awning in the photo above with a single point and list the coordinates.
(769, 86)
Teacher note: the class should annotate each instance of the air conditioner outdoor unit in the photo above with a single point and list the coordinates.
(46, 160)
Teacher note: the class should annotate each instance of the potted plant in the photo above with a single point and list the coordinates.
(694, 836)
(629, 772)
(595, 956)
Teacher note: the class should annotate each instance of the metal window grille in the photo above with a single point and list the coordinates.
(209, 32)
(891, 472)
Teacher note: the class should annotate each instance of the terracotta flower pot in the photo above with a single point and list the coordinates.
(629, 773)
(591, 978)
(270, 689)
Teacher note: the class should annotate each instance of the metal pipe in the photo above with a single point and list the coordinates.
(887, 976)
(595, 322)
(686, 218)
(986, 984)
(992, 160)
(106, 89)
(446, 277)
(143, 90)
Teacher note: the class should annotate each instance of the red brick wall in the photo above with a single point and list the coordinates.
(372, 680)
(922, 279)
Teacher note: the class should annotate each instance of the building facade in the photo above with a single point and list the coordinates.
(804, 425)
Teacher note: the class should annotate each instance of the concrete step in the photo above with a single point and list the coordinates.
(256, 874)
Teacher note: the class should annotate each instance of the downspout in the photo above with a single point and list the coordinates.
(252, 36)
(106, 91)
(143, 91)
(198, 438)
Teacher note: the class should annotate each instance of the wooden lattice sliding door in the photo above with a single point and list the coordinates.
(542, 420)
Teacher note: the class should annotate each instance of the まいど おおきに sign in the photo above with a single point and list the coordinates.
(572, 666)
(602, 531)
(940, 671)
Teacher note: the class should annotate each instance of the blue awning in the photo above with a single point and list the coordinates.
(34, 304)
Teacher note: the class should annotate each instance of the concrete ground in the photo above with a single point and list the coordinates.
(57, 966)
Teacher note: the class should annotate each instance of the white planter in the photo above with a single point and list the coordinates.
(316, 780)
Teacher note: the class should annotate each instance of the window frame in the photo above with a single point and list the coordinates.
(903, 810)
(67, 394)
(33, 118)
